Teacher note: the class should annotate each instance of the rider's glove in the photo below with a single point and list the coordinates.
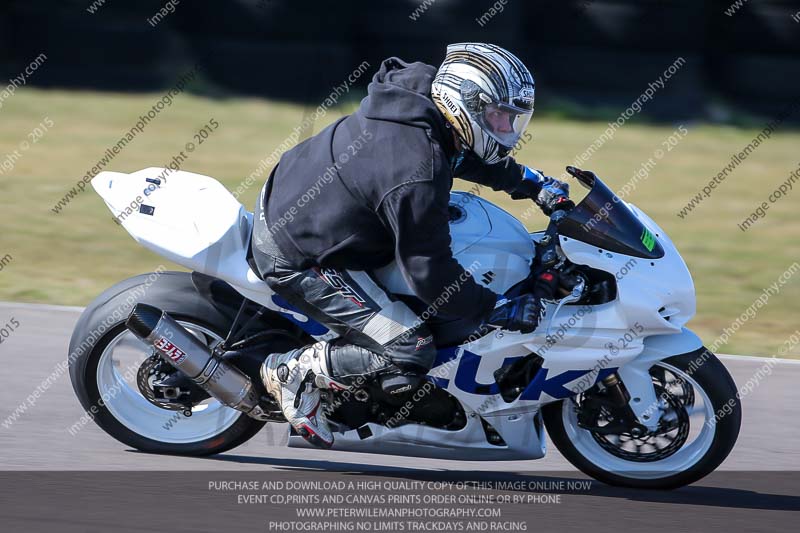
(523, 313)
(549, 193)
(518, 314)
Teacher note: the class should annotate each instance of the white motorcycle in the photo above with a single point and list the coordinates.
(168, 362)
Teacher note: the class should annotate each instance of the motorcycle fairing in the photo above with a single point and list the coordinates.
(194, 221)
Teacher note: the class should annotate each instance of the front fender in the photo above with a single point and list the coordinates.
(636, 374)
(660, 347)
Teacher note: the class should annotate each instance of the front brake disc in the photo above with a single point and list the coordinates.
(668, 438)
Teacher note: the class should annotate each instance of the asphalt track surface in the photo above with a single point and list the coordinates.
(757, 488)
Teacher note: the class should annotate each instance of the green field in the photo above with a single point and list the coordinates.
(70, 257)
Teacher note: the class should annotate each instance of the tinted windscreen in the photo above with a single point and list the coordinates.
(603, 220)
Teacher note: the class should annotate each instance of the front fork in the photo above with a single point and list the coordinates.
(642, 398)
(635, 376)
(615, 404)
(630, 391)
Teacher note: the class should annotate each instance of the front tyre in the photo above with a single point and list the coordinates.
(702, 413)
(105, 361)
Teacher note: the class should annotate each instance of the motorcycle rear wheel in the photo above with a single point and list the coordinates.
(105, 379)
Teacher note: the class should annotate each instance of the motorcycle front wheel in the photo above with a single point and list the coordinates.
(701, 416)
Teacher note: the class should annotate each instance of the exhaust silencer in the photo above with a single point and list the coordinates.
(185, 352)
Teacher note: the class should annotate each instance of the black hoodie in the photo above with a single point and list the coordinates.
(374, 187)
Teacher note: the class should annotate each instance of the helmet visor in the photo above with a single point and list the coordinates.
(504, 122)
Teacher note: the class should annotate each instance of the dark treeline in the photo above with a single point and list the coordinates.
(591, 53)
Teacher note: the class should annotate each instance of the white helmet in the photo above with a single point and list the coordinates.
(486, 94)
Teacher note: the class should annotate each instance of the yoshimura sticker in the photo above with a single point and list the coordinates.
(170, 350)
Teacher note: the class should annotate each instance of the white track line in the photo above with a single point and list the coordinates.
(757, 358)
(42, 307)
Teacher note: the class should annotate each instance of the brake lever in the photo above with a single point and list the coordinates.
(574, 296)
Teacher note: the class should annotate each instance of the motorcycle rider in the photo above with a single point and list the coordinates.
(374, 188)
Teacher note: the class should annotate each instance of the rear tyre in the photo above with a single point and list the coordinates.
(105, 358)
(702, 386)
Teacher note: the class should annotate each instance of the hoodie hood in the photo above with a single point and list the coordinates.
(401, 92)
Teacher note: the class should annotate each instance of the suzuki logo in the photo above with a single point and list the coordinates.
(467, 373)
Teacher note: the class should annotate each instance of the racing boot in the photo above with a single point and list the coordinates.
(294, 379)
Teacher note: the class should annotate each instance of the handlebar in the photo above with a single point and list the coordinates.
(549, 255)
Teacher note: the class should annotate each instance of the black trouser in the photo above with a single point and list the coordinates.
(380, 335)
